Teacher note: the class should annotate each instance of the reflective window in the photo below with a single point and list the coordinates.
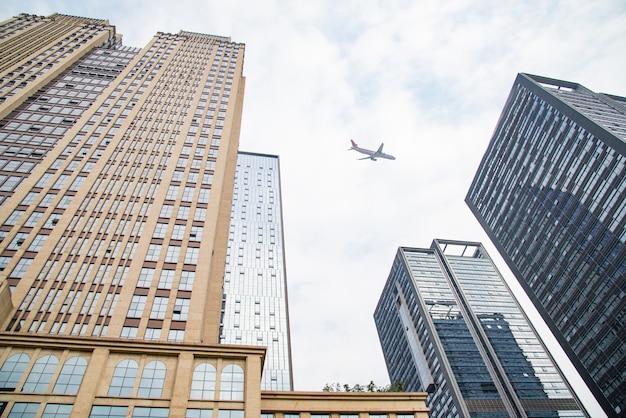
(24, 410)
(12, 371)
(54, 410)
(232, 382)
(123, 379)
(71, 376)
(140, 412)
(229, 414)
(203, 382)
(199, 413)
(98, 411)
(39, 377)
(152, 378)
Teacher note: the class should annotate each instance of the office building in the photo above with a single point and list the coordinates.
(550, 192)
(449, 325)
(117, 174)
(255, 286)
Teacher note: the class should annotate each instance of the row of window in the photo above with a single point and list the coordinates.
(30, 410)
(123, 381)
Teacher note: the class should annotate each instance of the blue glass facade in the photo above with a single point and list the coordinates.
(550, 192)
(449, 325)
(255, 310)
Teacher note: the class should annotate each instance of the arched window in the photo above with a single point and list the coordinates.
(232, 382)
(71, 376)
(152, 378)
(39, 377)
(123, 380)
(12, 371)
(203, 382)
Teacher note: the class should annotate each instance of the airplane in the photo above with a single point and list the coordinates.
(371, 155)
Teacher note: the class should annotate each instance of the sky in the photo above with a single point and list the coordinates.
(427, 78)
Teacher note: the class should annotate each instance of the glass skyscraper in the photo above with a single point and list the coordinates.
(550, 192)
(449, 325)
(255, 287)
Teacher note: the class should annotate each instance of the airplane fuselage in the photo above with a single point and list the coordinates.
(372, 155)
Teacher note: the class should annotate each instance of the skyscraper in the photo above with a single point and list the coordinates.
(117, 176)
(449, 325)
(255, 286)
(551, 194)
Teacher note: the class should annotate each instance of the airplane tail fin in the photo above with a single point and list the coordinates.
(353, 143)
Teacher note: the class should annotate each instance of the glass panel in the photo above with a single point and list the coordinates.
(199, 413)
(98, 411)
(41, 374)
(152, 378)
(232, 382)
(71, 376)
(57, 411)
(140, 412)
(24, 410)
(203, 382)
(12, 371)
(123, 379)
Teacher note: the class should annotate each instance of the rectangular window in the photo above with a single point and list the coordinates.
(181, 309)
(173, 252)
(166, 280)
(186, 280)
(136, 306)
(153, 252)
(159, 307)
(145, 277)
(191, 256)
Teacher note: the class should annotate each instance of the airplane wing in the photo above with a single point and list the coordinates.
(380, 149)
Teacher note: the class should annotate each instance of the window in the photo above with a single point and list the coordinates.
(12, 371)
(176, 335)
(173, 252)
(199, 413)
(232, 382)
(98, 411)
(166, 211)
(203, 382)
(159, 307)
(24, 410)
(145, 277)
(53, 410)
(203, 197)
(186, 280)
(39, 377)
(227, 413)
(160, 230)
(153, 252)
(129, 332)
(152, 378)
(183, 212)
(143, 411)
(136, 306)
(71, 376)
(123, 379)
(191, 255)
(152, 334)
(178, 232)
(166, 280)
(21, 267)
(188, 193)
(181, 309)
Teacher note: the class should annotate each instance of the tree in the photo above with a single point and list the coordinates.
(371, 387)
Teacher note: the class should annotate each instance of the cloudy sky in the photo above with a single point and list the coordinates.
(427, 78)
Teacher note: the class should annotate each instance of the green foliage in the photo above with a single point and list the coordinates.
(371, 387)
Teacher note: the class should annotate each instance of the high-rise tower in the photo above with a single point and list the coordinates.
(551, 194)
(449, 325)
(255, 286)
(117, 174)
